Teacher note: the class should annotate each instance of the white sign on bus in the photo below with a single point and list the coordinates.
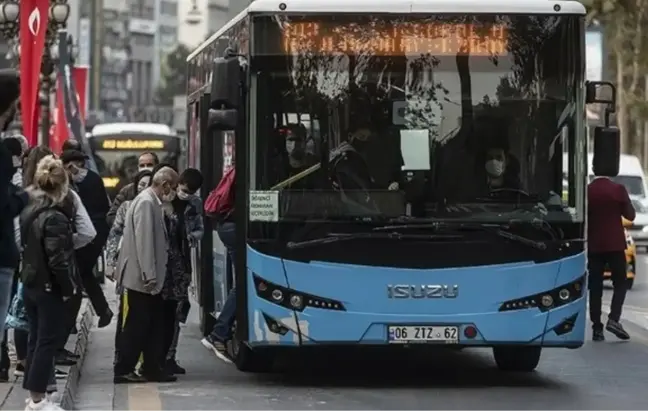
(264, 206)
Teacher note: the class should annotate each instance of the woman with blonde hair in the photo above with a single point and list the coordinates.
(84, 233)
(49, 274)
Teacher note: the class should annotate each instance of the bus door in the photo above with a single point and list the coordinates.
(216, 268)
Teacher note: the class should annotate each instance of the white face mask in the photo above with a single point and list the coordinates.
(16, 161)
(182, 195)
(495, 168)
(145, 168)
(167, 198)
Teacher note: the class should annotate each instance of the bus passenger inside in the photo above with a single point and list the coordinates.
(294, 158)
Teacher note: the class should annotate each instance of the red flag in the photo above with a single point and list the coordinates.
(80, 75)
(59, 132)
(33, 25)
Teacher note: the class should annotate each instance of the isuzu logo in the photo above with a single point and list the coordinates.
(422, 291)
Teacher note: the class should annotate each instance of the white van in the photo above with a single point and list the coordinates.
(631, 175)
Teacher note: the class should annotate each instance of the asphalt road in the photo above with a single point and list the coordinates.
(609, 375)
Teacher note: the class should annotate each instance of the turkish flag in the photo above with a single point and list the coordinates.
(33, 25)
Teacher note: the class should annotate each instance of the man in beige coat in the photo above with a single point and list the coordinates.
(140, 272)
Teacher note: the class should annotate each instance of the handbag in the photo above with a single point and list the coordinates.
(17, 316)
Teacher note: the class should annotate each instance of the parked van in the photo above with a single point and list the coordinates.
(631, 175)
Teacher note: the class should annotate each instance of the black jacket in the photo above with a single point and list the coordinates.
(95, 199)
(127, 193)
(12, 202)
(49, 261)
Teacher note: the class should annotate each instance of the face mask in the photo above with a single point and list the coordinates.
(182, 195)
(16, 161)
(80, 175)
(495, 168)
(294, 151)
(145, 169)
(170, 196)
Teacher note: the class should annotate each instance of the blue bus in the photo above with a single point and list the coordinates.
(399, 175)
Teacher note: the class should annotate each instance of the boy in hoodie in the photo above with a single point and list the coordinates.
(188, 206)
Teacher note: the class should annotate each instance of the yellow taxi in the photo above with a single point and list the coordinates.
(631, 257)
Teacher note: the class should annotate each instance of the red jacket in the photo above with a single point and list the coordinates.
(608, 202)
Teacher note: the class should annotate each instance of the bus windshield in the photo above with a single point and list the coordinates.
(445, 116)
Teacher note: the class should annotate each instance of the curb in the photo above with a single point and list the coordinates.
(84, 326)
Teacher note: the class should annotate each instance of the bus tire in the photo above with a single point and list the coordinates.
(517, 358)
(249, 360)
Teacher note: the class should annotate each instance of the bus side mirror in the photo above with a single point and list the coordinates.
(222, 120)
(225, 83)
(607, 151)
(602, 92)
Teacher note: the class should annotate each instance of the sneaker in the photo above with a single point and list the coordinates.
(617, 329)
(60, 374)
(4, 375)
(598, 335)
(20, 370)
(218, 347)
(172, 367)
(42, 405)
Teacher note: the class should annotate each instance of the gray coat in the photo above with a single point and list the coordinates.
(144, 250)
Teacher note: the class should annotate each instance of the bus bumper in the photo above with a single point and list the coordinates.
(343, 305)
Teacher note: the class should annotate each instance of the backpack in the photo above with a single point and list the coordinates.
(220, 202)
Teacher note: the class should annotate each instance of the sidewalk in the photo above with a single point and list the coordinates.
(12, 394)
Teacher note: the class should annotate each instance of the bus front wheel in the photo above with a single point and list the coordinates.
(517, 358)
(249, 360)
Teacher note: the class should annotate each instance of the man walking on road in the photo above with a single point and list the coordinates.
(608, 203)
(141, 271)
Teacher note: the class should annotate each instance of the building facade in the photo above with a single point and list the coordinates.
(220, 12)
(125, 45)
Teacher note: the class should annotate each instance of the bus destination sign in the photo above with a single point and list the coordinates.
(397, 39)
(129, 144)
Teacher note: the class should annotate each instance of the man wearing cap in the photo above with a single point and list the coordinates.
(90, 188)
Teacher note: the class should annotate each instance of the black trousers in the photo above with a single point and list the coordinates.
(118, 329)
(86, 258)
(597, 263)
(45, 311)
(86, 261)
(142, 332)
(170, 313)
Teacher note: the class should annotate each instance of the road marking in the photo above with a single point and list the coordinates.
(144, 397)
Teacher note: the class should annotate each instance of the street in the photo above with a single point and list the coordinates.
(609, 375)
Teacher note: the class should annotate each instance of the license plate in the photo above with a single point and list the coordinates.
(404, 334)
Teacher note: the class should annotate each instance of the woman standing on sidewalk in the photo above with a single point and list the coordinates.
(49, 274)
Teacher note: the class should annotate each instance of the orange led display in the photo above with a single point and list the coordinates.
(395, 39)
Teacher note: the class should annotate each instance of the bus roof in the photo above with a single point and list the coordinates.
(112, 129)
(398, 7)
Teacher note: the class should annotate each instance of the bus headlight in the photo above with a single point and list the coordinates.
(293, 299)
(548, 300)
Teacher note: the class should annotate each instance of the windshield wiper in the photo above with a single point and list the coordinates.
(496, 229)
(336, 237)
